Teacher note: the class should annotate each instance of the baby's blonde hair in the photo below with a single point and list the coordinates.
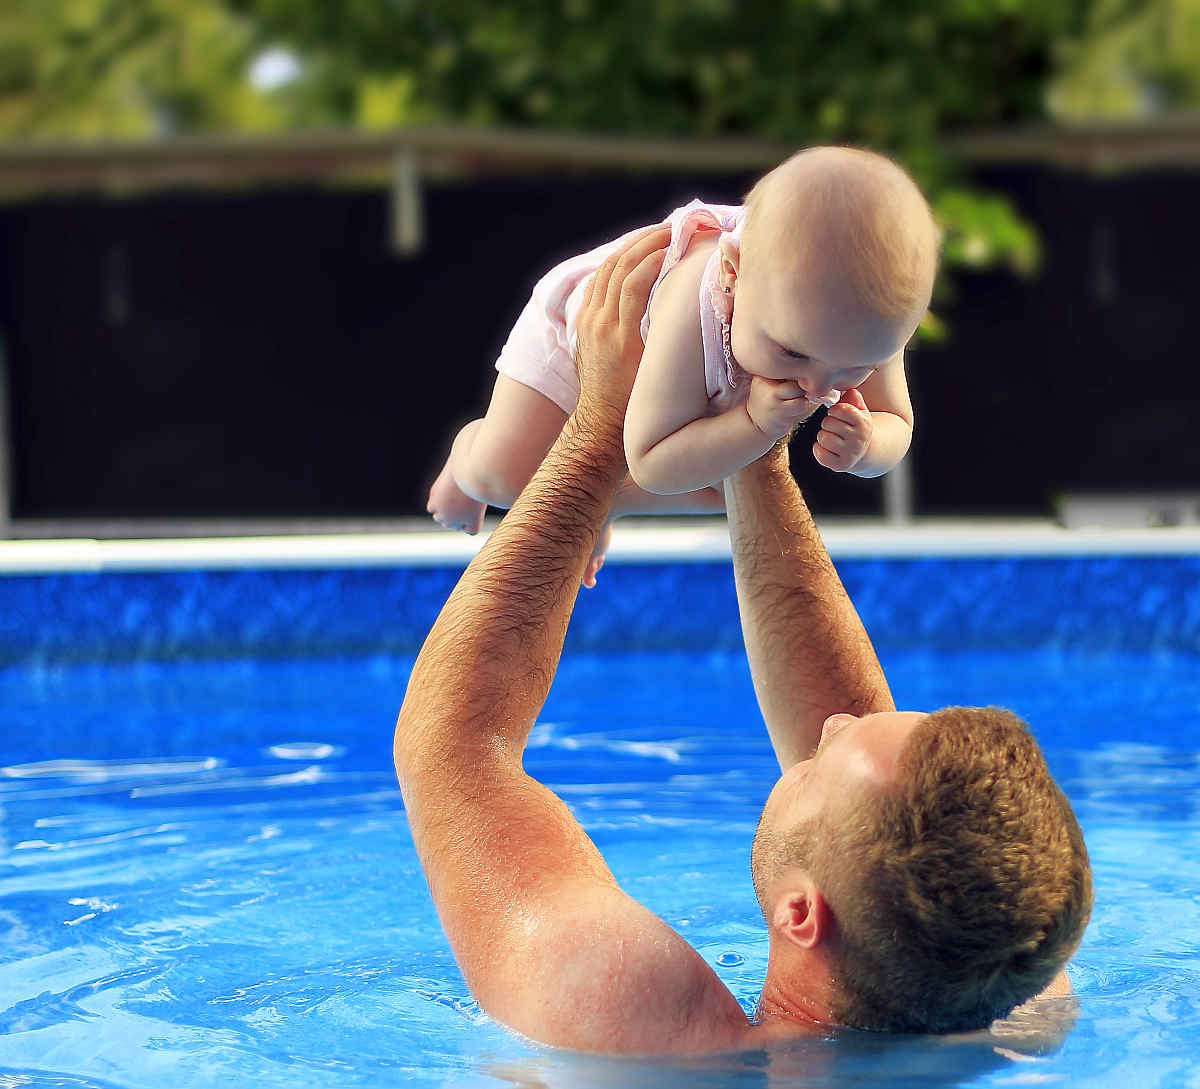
(859, 214)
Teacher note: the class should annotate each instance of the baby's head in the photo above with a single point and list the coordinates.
(834, 271)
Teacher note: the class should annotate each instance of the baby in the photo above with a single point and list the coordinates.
(804, 296)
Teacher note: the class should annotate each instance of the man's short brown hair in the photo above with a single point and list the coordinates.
(968, 886)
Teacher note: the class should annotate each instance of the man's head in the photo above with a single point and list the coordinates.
(951, 871)
(834, 269)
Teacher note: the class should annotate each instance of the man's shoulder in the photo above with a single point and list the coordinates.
(624, 982)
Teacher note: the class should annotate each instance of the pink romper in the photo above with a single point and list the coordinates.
(540, 350)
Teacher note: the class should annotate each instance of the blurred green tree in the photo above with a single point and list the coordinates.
(1131, 60)
(891, 74)
(105, 69)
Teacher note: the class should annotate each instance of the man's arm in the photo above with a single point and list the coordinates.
(809, 654)
(547, 941)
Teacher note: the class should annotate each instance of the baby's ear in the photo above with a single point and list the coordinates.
(731, 256)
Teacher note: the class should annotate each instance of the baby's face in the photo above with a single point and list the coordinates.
(791, 324)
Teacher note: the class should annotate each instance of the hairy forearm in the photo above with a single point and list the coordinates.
(889, 443)
(809, 654)
(486, 666)
(701, 453)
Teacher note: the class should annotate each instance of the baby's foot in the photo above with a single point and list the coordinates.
(452, 507)
(596, 561)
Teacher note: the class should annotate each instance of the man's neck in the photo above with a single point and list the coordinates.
(797, 992)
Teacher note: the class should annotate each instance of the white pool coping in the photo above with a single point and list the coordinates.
(695, 541)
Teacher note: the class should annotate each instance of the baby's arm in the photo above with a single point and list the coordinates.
(671, 444)
(868, 431)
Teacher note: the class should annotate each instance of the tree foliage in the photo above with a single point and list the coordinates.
(889, 72)
(892, 74)
(104, 69)
(1131, 60)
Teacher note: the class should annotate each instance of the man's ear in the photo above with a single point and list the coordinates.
(731, 258)
(803, 916)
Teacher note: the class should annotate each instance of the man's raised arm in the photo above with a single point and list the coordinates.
(547, 941)
(809, 654)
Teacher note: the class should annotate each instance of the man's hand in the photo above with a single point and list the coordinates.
(609, 346)
(775, 407)
(845, 433)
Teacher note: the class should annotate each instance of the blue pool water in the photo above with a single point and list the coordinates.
(206, 877)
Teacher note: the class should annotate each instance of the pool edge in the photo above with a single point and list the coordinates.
(695, 542)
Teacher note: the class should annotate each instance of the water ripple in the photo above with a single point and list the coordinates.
(304, 777)
(52, 1008)
(103, 771)
(554, 735)
(305, 750)
(95, 841)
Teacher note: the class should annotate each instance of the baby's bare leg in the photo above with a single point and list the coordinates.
(492, 459)
(448, 503)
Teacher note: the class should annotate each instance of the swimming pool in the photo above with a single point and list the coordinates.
(206, 878)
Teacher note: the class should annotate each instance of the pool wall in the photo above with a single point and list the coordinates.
(1077, 602)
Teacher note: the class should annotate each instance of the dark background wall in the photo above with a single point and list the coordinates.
(266, 354)
(1084, 378)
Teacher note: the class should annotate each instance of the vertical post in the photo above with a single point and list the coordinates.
(408, 227)
(898, 494)
(5, 447)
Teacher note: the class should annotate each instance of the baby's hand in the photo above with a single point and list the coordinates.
(845, 433)
(776, 407)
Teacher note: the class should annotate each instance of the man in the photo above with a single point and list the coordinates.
(918, 872)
